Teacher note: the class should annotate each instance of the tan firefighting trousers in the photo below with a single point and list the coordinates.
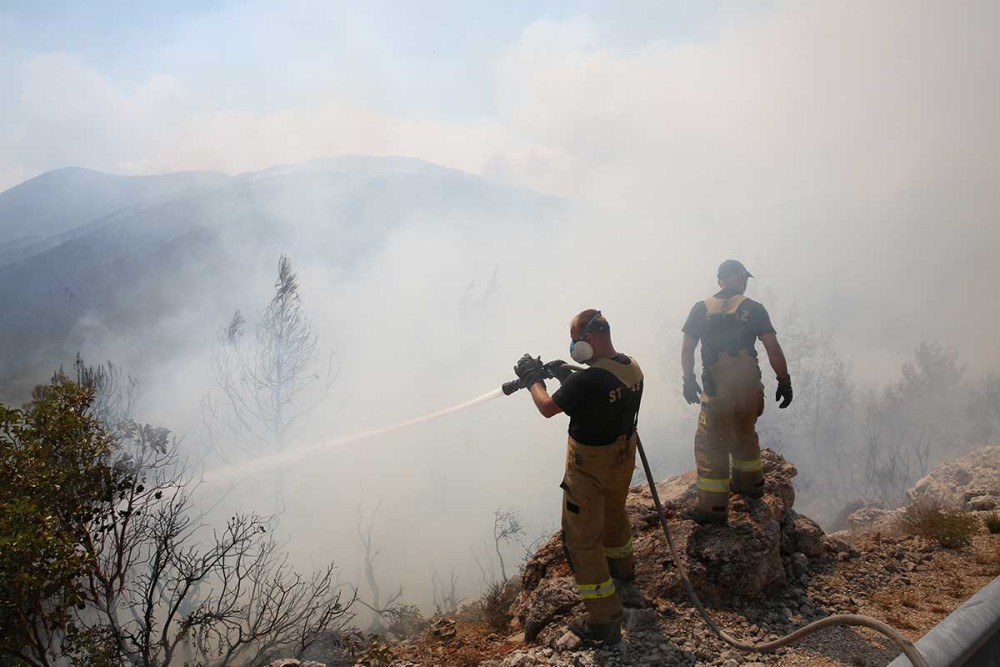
(596, 531)
(726, 446)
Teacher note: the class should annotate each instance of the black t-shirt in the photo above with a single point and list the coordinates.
(727, 334)
(602, 401)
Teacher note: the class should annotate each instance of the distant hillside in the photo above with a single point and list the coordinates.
(83, 249)
(58, 201)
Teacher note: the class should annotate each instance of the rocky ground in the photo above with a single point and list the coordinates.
(769, 572)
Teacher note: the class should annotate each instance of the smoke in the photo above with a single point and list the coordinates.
(844, 152)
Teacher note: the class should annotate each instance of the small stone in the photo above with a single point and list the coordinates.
(568, 642)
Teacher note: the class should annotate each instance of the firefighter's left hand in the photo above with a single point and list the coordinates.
(784, 393)
(529, 370)
(692, 392)
(558, 369)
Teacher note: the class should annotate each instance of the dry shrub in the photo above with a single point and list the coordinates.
(404, 620)
(992, 521)
(493, 608)
(377, 654)
(497, 602)
(929, 519)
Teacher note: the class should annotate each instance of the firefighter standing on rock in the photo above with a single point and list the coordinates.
(602, 402)
(726, 447)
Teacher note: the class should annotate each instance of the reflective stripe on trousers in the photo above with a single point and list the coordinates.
(713, 484)
(605, 589)
(753, 465)
(623, 551)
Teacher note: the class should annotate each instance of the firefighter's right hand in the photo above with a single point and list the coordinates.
(692, 392)
(784, 393)
(558, 369)
(529, 370)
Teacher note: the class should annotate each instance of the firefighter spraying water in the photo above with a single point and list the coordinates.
(602, 402)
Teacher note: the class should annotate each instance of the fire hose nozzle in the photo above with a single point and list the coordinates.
(509, 388)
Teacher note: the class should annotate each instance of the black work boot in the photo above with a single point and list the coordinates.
(630, 594)
(608, 634)
(703, 517)
(622, 569)
(750, 484)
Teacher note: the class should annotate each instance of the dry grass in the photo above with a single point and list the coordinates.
(992, 521)
(899, 622)
(909, 598)
(988, 555)
(894, 599)
(929, 519)
(883, 600)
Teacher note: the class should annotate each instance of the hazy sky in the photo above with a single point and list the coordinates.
(761, 101)
(147, 87)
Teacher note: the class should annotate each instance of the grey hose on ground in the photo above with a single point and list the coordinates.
(909, 650)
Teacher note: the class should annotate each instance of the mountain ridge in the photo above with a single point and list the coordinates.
(136, 254)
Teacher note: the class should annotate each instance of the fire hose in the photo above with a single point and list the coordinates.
(907, 647)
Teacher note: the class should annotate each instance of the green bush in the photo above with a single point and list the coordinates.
(929, 519)
(57, 479)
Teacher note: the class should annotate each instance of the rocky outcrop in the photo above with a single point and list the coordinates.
(873, 519)
(971, 482)
(765, 544)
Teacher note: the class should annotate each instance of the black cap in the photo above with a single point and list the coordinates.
(731, 268)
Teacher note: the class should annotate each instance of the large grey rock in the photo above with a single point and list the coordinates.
(740, 561)
(971, 482)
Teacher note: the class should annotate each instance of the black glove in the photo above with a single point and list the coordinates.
(529, 370)
(784, 393)
(692, 392)
(559, 370)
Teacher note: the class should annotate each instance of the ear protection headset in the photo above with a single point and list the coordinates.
(580, 350)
